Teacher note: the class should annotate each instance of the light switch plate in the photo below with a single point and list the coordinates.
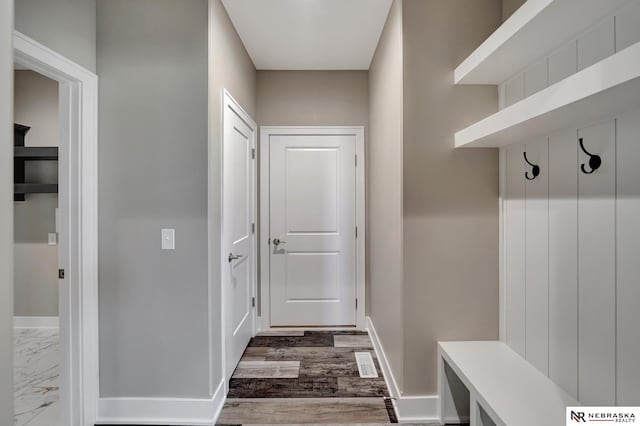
(53, 239)
(168, 239)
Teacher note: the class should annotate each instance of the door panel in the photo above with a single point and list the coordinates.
(238, 154)
(312, 178)
(240, 294)
(312, 276)
(312, 213)
(238, 256)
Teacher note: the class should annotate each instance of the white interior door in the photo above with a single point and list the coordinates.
(238, 239)
(312, 211)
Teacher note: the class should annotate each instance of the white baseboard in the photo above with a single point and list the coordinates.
(263, 324)
(457, 420)
(36, 322)
(161, 411)
(392, 385)
(422, 408)
(219, 398)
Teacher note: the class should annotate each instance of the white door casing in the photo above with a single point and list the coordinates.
(78, 227)
(238, 230)
(312, 226)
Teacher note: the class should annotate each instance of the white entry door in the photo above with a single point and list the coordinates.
(312, 215)
(238, 239)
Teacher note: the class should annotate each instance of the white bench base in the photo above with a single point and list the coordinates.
(486, 383)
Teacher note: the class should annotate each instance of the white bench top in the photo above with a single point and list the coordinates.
(506, 384)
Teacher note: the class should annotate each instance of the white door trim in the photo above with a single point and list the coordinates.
(78, 164)
(502, 271)
(264, 320)
(229, 102)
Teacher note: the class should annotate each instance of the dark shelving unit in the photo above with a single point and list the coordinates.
(35, 153)
(36, 188)
(21, 155)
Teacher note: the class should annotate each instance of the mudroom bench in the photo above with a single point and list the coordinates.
(486, 383)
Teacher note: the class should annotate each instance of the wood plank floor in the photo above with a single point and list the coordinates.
(305, 410)
(306, 377)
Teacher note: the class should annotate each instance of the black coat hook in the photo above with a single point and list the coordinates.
(535, 171)
(595, 161)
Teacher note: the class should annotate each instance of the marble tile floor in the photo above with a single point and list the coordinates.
(308, 377)
(36, 375)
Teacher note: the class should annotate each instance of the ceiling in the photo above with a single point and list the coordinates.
(309, 34)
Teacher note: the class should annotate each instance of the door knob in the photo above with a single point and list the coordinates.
(278, 241)
(233, 257)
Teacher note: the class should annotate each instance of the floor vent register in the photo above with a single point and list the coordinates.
(366, 367)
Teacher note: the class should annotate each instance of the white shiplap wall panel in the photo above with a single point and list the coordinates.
(563, 62)
(536, 77)
(514, 90)
(537, 257)
(597, 44)
(627, 26)
(563, 260)
(603, 39)
(592, 238)
(628, 259)
(596, 269)
(514, 236)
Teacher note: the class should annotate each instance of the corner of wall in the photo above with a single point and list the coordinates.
(384, 238)
(229, 67)
(6, 212)
(509, 7)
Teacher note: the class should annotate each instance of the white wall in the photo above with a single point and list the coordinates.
(6, 212)
(36, 262)
(571, 256)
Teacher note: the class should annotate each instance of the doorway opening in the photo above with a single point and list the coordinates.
(312, 227)
(36, 332)
(70, 170)
(238, 263)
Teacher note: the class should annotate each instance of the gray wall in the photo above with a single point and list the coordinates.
(229, 68)
(384, 240)
(6, 213)
(36, 105)
(510, 6)
(152, 63)
(36, 262)
(313, 98)
(66, 26)
(450, 196)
